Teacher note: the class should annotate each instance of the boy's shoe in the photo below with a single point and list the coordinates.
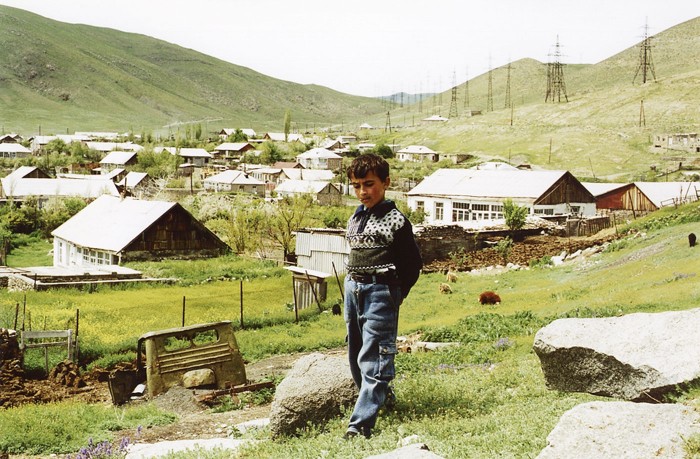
(353, 432)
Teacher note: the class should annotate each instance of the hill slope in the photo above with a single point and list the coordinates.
(597, 134)
(76, 77)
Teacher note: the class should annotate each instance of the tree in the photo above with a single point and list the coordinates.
(384, 151)
(237, 136)
(270, 153)
(286, 217)
(287, 124)
(514, 214)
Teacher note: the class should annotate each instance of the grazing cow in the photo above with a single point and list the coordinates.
(445, 288)
(451, 276)
(489, 297)
(691, 239)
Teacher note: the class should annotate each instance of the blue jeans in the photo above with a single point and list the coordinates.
(371, 315)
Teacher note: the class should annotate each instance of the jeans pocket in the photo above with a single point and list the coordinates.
(387, 351)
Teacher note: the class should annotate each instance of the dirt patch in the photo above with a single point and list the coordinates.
(521, 253)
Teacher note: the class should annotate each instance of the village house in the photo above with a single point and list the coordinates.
(471, 197)
(225, 133)
(39, 142)
(320, 158)
(234, 181)
(44, 189)
(417, 153)
(197, 157)
(135, 184)
(10, 138)
(279, 137)
(689, 142)
(642, 196)
(117, 160)
(113, 230)
(314, 175)
(231, 151)
(323, 193)
(14, 150)
(106, 147)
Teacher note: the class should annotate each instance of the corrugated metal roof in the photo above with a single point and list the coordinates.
(487, 183)
(60, 187)
(301, 186)
(13, 148)
(231, 146)
(231, 177)
(417, 150)
(118, 157)
(110, 223)
(319, 153)
(662, 193)
(132, 179)
(597, 189)
(308, 174)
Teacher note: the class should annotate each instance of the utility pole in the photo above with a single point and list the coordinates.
(466, 89)
(387, 126)
(489, 93)
(642, 117)
(646, 66)
(509, 102)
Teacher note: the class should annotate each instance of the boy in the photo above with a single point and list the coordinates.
(383, 265)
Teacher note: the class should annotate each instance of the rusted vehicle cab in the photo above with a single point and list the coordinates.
(171, 353)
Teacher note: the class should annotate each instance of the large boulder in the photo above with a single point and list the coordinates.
(623, 430)
(315, 390)
(635, 357)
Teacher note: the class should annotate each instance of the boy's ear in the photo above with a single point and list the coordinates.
(387, 182)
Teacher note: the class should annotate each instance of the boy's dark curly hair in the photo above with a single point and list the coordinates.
(369, 162)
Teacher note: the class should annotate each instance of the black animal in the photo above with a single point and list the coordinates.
(336, 309)
(691, 239)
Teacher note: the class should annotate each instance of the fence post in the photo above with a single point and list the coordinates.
(183, 310)
(76, 344)
(241, 288)
(296, 308)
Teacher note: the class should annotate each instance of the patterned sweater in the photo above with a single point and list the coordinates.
(381, 238)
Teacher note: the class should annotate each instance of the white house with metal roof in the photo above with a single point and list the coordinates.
(14, 150)
(111, 230)
(236, 181)
(473, 196)
(46, 188)
(320, 158)
(322, 192)
(117, 159)
(416, 153)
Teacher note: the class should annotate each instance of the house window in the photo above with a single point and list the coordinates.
(439, 211)
(575, 209)
(420, 206)
(460, 211)
(481, 211)
(544, 211)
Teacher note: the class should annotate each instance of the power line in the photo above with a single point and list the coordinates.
(555, 77)
(646, 65)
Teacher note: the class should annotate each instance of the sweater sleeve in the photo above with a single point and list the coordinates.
(407, 257)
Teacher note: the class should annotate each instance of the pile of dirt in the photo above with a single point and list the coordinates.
(522, 252)
(64, 382)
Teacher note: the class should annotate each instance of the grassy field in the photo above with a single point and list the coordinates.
(474, 401)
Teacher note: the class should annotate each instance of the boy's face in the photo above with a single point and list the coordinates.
(369, 189)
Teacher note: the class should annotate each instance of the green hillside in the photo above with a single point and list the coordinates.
(57, 77)
(596, 134)
(64, 77)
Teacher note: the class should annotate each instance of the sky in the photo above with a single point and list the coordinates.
(380, 47)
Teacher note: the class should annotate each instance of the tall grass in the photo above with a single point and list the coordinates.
(484, 398)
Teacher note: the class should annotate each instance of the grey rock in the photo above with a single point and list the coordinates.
(636, 357)
(622, 430)
(197, 378)
(314, 391)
